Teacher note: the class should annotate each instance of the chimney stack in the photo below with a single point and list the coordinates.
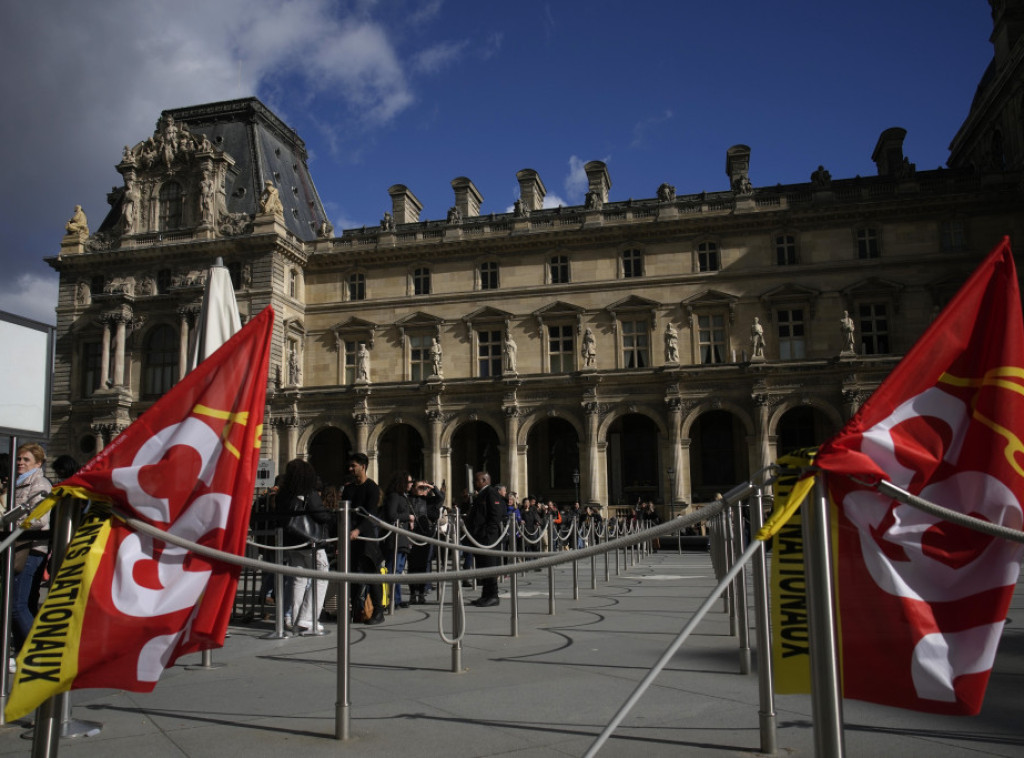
(404, 206)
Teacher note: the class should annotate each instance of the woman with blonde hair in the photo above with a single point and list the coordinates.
(33, 545)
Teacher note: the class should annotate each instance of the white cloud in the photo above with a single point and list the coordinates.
(642, 128)
(436, 58)
(576, 182)
(91, 80)
(31, 296)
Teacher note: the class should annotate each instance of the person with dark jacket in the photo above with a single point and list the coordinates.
(365, 555)
(398, 512)
(426, 500)
(298, 496)
(486, 521)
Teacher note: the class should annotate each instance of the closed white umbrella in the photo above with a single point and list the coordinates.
(218, 318)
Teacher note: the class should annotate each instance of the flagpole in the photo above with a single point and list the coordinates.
(826, 690)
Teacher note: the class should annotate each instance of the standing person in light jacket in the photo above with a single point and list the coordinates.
(33, 545)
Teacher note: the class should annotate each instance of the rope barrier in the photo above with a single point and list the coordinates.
(531, 562)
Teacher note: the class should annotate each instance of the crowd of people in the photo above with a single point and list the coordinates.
(412, 508)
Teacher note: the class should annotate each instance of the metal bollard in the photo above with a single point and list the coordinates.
(740, 589)
(342, 719)
(513, 587)
(457, 617)
(551, 571)
(279, 609)
(765, 675)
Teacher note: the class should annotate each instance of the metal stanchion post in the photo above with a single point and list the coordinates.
(65, 521)
(740, 589)
(341, 705)
(574, 535)
(593, 558)
(604, 540)
(513, 586)
(457, 613)
(765, 675)
(728, 553)
(552, 532)
(279, 609)
(826, 688)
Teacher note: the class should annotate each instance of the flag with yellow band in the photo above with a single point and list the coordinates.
(131, 604)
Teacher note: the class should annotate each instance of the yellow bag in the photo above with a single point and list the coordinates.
(385, 589)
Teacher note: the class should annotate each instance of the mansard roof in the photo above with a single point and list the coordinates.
(263, 148)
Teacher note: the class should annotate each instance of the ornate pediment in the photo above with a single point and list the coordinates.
(709, 300)
(419, 321)
(790, 293)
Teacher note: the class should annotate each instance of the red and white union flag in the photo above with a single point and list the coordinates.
(124, 605)
(922, 602)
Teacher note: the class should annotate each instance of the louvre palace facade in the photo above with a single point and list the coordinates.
(662, 348)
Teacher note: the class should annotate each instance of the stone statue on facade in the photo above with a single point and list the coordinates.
(270, 200)
(83, 295)
(519, 210)
(387, 224)
(847, 327)
(206, 198)
(666, 193)
(510, 352)
(129, 206)
(362, 363)
(326, 229)
(671, 344)
(294, 369)
(454, 215)
(78, 224)
(742, 186)
(436, 358)
(593, 201)
(757, 340)
(821, 178)
(588, 350)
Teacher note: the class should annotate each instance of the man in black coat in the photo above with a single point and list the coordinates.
(486, 521)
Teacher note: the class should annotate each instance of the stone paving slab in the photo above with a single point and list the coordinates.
(547, 692)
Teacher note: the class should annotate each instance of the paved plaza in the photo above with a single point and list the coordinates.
(548, 691)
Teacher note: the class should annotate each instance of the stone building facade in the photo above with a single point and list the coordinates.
(659, 349)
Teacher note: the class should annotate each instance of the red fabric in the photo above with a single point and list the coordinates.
(188, 465)
(922, 602)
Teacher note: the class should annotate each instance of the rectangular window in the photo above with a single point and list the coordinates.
(707, 257)
(421, 281)
(867, 243)
(785, 249)
(489, 276)
(558, 267)
(92, 365)
(711, 338)
(350, 361)
(420, 366)
(357, 287)
(791, 333)
(874, 328)
(632, 263)
(635, 344)
(293, 283)
(561, 348)
(489, 344)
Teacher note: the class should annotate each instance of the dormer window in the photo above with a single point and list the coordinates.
(170, 206)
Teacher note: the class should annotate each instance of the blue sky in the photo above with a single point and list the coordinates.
(419, 93)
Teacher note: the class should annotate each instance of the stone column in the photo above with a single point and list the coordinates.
(675, 416)
(105, 354)
(436, 473)
(763, 443)
(512, 447)
(182, 343)
(590, 491)
(119, 343)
